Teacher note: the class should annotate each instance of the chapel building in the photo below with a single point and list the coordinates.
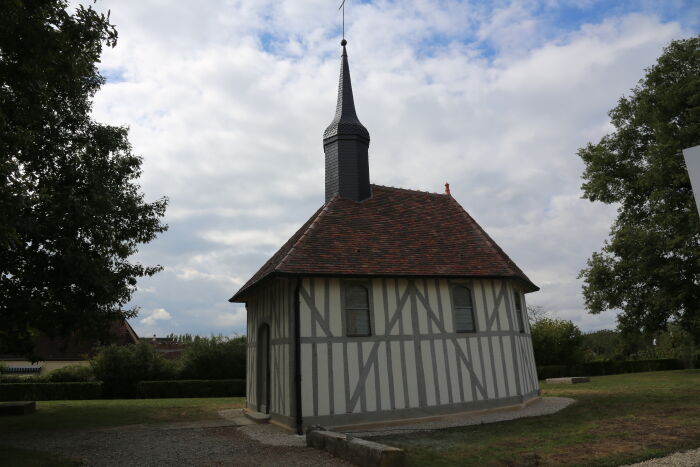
(386, 304)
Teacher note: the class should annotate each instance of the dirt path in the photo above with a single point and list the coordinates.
(159, 445)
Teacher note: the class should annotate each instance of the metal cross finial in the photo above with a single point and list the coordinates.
(342, 6)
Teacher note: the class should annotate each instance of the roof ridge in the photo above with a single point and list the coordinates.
(408, 190)
(306, 232)
(491, 241)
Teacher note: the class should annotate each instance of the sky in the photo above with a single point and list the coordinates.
(227, 101)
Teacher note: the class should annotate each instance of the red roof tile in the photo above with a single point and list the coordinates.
(396, 232)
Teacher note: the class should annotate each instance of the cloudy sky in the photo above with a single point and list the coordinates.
(227, 102)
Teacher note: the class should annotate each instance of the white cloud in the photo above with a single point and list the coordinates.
(159, 314)
(227, 102)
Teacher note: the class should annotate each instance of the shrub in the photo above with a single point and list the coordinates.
(191, 388)
(556, 342)
(121, 367)
(49, 391)
(215, 357)
(71, 374)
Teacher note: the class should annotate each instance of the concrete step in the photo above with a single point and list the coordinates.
(257, 417)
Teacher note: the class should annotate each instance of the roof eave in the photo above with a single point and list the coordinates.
(239, 297)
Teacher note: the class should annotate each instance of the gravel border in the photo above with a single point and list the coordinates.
(542, 406)
(679, 459)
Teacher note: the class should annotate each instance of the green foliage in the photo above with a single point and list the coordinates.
(608, 368)
(215, 357)
(72, 211)
(50, 391)
(120, 367)
(191, 388)
(602, 345)
(71, 374)
(556, 342)
(181, 338)
(650, 266)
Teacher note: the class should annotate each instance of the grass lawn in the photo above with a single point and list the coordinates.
(65, 415)
(617, 420)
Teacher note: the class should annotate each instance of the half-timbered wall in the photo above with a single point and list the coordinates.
(272, 305)
(413, 363)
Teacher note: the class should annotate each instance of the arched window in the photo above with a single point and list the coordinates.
(463, 309)
(519, 312)
(357, 310)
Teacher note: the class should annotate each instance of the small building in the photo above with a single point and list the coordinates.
(56, 352)
(386, 304)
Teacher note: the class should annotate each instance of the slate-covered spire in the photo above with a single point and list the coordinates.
(345, 143)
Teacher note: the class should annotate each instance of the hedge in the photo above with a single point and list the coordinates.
(608, 368)
(191, 388)
(49, 391)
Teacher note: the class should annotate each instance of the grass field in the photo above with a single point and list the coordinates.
(617, 420)
(69, 415)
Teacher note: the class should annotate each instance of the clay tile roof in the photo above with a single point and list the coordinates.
(396, 232)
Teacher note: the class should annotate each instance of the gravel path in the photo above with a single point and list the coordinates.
(543, 406)
(197, 444)
(679, 459)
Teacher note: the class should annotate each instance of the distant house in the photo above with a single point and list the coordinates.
(386, 304)
(168, 347)
(59, 352)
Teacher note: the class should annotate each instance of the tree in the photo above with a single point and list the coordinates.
(650, 266)
(603, 345)
(556, 342)
(72, 212)
(535, 313)
(215, 357)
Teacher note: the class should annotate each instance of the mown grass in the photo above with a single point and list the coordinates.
(61, 415)
(616, 420)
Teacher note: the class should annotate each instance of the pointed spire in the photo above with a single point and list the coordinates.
(345, 121)
(346, 144)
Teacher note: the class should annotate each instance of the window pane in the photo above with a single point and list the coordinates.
(518, 305)
(519, 312)
(462, 297)
(356, 297)
(358, 322)
(465, 319)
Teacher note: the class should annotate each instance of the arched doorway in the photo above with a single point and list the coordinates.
(263, 377)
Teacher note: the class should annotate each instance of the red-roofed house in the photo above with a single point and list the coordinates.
(386, 304)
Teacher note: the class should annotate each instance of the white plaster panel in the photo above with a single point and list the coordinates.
(395, 368)
(476, 363)
(428, 371)
(385, 396)
(339, 378)
(445, 300)
(411, 374)
(498, 363)
(370, 385)
(454, 369)
(323, 387)
(336, 316)
(307, 382)
(353, 370)
(378, 308)
(442, 393)
(391, 304)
